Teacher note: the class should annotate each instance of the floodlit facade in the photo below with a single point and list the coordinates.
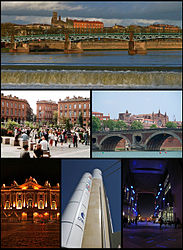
(30, 201)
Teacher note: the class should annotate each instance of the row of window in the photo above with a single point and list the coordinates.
(72, 113)
(10, 104)
(74, 106)
(10, 112)
(47, 108)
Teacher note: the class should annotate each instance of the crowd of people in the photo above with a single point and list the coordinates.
(47, 138)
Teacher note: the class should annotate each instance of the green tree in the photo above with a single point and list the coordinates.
(153, 126)
(80, 120)
(11, 124)
(55, 117)
(120, 125)
(136, 125)
(96, 124)
(110, 124)
(68, 125)
(171, 125)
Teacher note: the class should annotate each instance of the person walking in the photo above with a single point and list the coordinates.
(69, 136)
(75, 140)
(38, 152)
(25, 153)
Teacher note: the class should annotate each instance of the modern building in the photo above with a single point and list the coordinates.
(101, 116)
(72, 108)
(15, 109)
(45, 110)
(147, 120)
(30, 201)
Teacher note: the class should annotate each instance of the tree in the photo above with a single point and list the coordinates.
(120, 125)
(136, 125)
(55, 117)
(110, 124)
(80, 120)
(153, 126)
(96, 124)
(171, 125)
(68, 125)
(11, 124)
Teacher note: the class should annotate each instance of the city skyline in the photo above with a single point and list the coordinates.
(121, 13)
(138, 102)
(33, 96)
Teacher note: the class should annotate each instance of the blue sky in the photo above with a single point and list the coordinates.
(138, 102)
(72, 171)
(109, 12)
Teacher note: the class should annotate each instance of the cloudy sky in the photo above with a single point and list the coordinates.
(109, 12)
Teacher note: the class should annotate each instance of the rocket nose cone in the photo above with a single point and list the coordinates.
(97, 173)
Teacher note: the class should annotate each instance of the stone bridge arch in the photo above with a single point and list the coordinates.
(109, 142)
(154, 141)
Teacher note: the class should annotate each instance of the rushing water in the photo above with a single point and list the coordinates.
(156, 69)
(138, 154)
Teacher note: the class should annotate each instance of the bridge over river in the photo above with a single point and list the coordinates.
(87, 36)
(142, 139)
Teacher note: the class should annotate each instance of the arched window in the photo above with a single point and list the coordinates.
(30, 203)
(41, 205)
(19, 204)
(53, 205)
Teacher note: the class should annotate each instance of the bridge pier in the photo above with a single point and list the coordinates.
(69, 48)
(136, 47)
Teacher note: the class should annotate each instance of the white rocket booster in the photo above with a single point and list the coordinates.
(74, 216)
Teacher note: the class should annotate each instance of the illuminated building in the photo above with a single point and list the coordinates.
(30, 201)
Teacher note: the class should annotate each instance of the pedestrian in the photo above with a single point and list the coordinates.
(75, 140)
(25, 153)
(69, 136)
(55, 139)
(38, 152)
(160, 222)
(44, 144)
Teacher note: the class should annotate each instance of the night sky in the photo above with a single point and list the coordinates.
(145, 204)
(40, 169)
(72, 171)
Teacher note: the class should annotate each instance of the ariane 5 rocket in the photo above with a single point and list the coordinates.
(74, 216)
(85, 221)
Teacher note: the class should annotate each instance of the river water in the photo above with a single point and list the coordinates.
(98, 69)
(138, 154)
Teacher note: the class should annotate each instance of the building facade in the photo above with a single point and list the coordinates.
(45, 110)
(147, 120)
(77, 25)
(101, 116)
(30, 202)
(72, 108)
(15, 109)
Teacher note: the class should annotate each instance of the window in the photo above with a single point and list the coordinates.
(65, 106)
(16, 105)
(79, 106)
(41, 206)
(60, 107)
(7, 111)
(7, 104)
(11, 111)
(70, 113)
(2, 104)
(39, 107)
(30, 203)
(85, 106)
(11, 105)
(53, 205)
(69, 106)
(23, 106)
(19, 204)
(74, 106)
(7, 205)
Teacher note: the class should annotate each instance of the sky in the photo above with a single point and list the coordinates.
(146, 204)
(73, 170)
(33, 96)
(15, 169)
(138, 102)
(110, 12)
